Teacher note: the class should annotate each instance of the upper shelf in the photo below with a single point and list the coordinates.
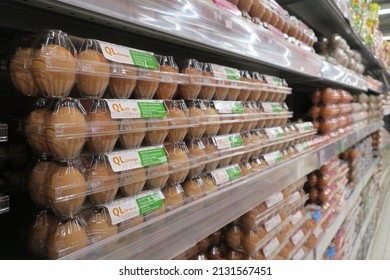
(205, 27)
(169, 235)
(326, 18)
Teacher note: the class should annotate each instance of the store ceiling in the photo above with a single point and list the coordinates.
(384, 19)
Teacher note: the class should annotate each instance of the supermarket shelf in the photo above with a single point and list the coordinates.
(335, 226)
(3, 132)
(341, 76)
(167, 236)
(195, 24)
(360, 236)
(326, 18)
(375, 85)
(4, 203)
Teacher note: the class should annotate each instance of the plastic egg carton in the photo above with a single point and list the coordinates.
(53, 67)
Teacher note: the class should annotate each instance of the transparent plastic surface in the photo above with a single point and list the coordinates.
(4, 203)
(3, 132)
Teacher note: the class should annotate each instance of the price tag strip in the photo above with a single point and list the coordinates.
(229, 107)
(228, 141)
(126, 208)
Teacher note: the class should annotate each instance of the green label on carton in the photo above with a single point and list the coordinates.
(237, 108)
(234, 173)
(232, 74)
(236, 140)
(143, 59)
(150, 203)
(152, 110)
(152, 157)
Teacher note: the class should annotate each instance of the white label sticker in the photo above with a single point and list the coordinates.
(273, 158)
(295, 197)
(222, 142)
(228, 107)
(303, 127)
(274, 132)
(299, 255)
(296, 217)
(224, 72)
(224, 175)
(270, 107)
(131, 159)
(274, 199)
(272, 223)
(135, 109)
(124, 209)
(297, 237)
(270, 247)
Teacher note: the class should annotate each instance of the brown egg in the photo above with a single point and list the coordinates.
(35, 129)
(244, 93)
(216, 237)
(157, 137)
(354, 153)
(20, 70)
(67, 237)
(70, 182)
(323, 181)
(330, 96)
(221, 92)
(178, 118)
(133, 140)
(257, 9)
(250, 241)
(232, 94)
(39, 231)
(66, 129)
(234, 237)
(133, 181)
(158, 181)
(146, 87)
(315, 112)
(211, 151)
(209, 185)
(199, 115)
(122, 81)
(192, 89)
(99, 226)
(193, 189)
(174, 196)
(213, 117)
(46, 63)
(312, 179)
(329, 111)
(323, 196)
(315, 96)
(167, 90)
(204, 244)
(101, 177)
(313, 194)
(207, 92)
(105, 130)
(131, 223)
(36, 183)
(197, 156)
(244, 5)
(94, 82)
(256, 94)
(178, 159)
(225, 128)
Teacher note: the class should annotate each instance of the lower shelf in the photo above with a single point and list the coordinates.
(169, 235)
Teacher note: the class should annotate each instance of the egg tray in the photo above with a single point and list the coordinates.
(290, 233)
(126, 117)
(299, 245)
(92, 80)
(62, 193)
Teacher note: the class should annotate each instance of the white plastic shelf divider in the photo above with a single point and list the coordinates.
(323, 244)
(4, 203)
(169, 235)
(360, 236)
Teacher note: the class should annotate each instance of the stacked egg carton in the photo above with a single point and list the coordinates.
(331, 111)
(278, 19)
(366, 109)
(380, 139)
(209, 127)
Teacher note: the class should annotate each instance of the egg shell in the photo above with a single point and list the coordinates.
(36, 183)
(234, 237)
(133, 181)
(94, 82)
(158, 181)
(178, 118)
(257, 9)
(174, 196)
(99, 226)
(191, 90)
(158, 136)
(167, 90)
(209, 185)
(20, 70)
(192, 189)
(199, 115)
(197, 156)
(207, 91)
(146, 88)
(34, 130)
(178, 159)
(122, 81)
(39, 231)
(134, 140)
